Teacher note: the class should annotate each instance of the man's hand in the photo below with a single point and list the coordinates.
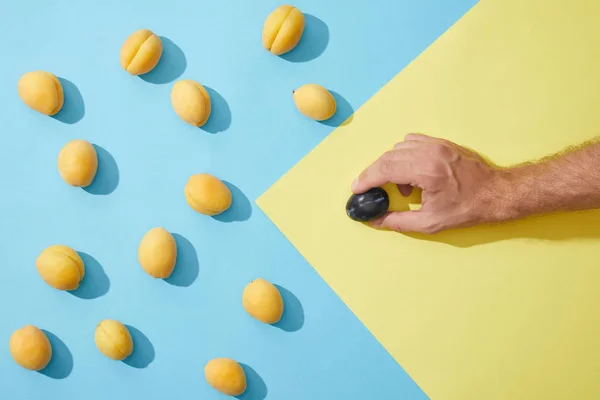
(461, 189)
(457, 185)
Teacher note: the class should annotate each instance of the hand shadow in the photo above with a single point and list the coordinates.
(551, 227)
(186, 267)
(293, 312)
(240, 209)
(220, 114)
(171, 65)
(344, 113)
(73, 108)
(143, 350)
(107, 176)
(256, 389)
(61, 363)
(95, 283)
(313, 43)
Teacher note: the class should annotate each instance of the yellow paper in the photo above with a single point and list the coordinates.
(509, 312)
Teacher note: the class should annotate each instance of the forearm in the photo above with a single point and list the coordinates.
(566, 182)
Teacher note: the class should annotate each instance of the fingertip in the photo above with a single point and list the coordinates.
(360, 186)
(381, 222)
(356, 187)
(376, 223)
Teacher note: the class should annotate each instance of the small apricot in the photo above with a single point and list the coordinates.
(157, 253)
(315, 102)
(113, 339)
(30, 348)
(207, 194)
(191, 102)
(141, 52)
(60, 267)
(78, 163)
(262, 300)
(41, 91)
(226, 376)
(283, 29)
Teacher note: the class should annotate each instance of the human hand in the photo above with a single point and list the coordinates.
(459, 187)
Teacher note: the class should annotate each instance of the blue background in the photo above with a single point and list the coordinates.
(255, 134)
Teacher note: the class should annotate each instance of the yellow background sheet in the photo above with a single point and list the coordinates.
(506, 312)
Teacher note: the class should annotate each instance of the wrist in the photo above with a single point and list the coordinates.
(503, 197)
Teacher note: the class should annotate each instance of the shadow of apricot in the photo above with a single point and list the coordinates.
(143, 350)
(293, 312)
(240, 209)
(256, 389)
(344, 113)
(73, 109)
(187, 267)
(95, 281)
(107, 177)
(171, 65)
(220, 114)
(61, 363)
(313, 42)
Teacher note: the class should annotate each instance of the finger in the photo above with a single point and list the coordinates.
(394, 166)
(405, 221)
(406, 190)
(419, 137)
(408, 144)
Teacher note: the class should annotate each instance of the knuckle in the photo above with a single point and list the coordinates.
(389, 155)
(440, 150)
(386, 165)
(431, 228)
(438, 169)
(396, 227)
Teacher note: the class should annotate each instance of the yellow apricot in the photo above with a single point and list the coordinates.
(191, 102)
(315, 102)
(226, 376)
(78, 163)
(140, 52)
(262, 300)
(60, 267)
(283, 29)
(113, 339)
(30, 348)
(41, 91)
(157, 253)
(207, 194)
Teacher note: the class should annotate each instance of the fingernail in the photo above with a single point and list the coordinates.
(354, 184)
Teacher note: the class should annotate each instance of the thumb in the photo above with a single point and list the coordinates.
(406, 221)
